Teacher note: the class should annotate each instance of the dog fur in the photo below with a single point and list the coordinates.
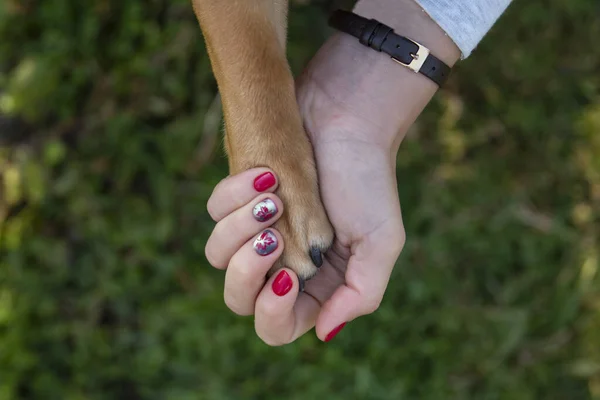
(246, 43)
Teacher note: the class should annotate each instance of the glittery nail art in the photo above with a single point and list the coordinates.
(264, 210)
(266, 243)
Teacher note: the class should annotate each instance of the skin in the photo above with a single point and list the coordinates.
(356, 106)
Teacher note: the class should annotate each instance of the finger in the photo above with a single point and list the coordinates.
(237, 228)
(236, 191)
(281, 313)
(367, 277)
(245, 276)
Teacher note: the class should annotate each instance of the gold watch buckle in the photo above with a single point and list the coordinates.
(418, 58)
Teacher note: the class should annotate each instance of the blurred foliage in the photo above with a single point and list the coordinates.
(109, 149)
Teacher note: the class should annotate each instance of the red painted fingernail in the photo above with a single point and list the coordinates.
(282, 284)
(264, 181)
(334, 332)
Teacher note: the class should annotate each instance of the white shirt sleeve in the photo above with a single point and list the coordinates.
(465, 21)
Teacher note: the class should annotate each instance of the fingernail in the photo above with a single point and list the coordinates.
(282, 284)
(266, 243)
(334, 332)
(264, 181)
(264, 210)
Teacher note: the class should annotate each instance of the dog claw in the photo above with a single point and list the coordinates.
(301, 283)
(316, 256)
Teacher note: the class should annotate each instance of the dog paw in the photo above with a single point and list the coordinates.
(304, 226)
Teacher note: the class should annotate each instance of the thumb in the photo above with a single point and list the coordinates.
(367, 277)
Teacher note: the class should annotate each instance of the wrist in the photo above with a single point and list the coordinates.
(354, 83)
(407, 18)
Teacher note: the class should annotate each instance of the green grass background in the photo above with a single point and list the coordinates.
(110, 147)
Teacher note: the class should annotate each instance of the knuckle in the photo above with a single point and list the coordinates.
(237, 307)
(219, 232)
(269, 341)
(272, 340)
(270, 310)
(239, 269)
(212, 258)
(244, 277)
(209, 256)
(211, 208)
(212, 205)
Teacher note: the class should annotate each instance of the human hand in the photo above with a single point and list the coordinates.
(246, 246)
(244, 243)
(356, 118)
(357, 106)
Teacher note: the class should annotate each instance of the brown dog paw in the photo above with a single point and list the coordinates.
(304, 225)
(306, 230)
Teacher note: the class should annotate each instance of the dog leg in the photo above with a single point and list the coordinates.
(246, 45)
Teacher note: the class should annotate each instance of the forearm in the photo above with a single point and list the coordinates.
(372, 87)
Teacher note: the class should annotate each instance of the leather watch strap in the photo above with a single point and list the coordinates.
(381, 37)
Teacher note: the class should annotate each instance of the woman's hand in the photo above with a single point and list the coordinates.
(357, 105)
(243, 244)
(355, 271)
